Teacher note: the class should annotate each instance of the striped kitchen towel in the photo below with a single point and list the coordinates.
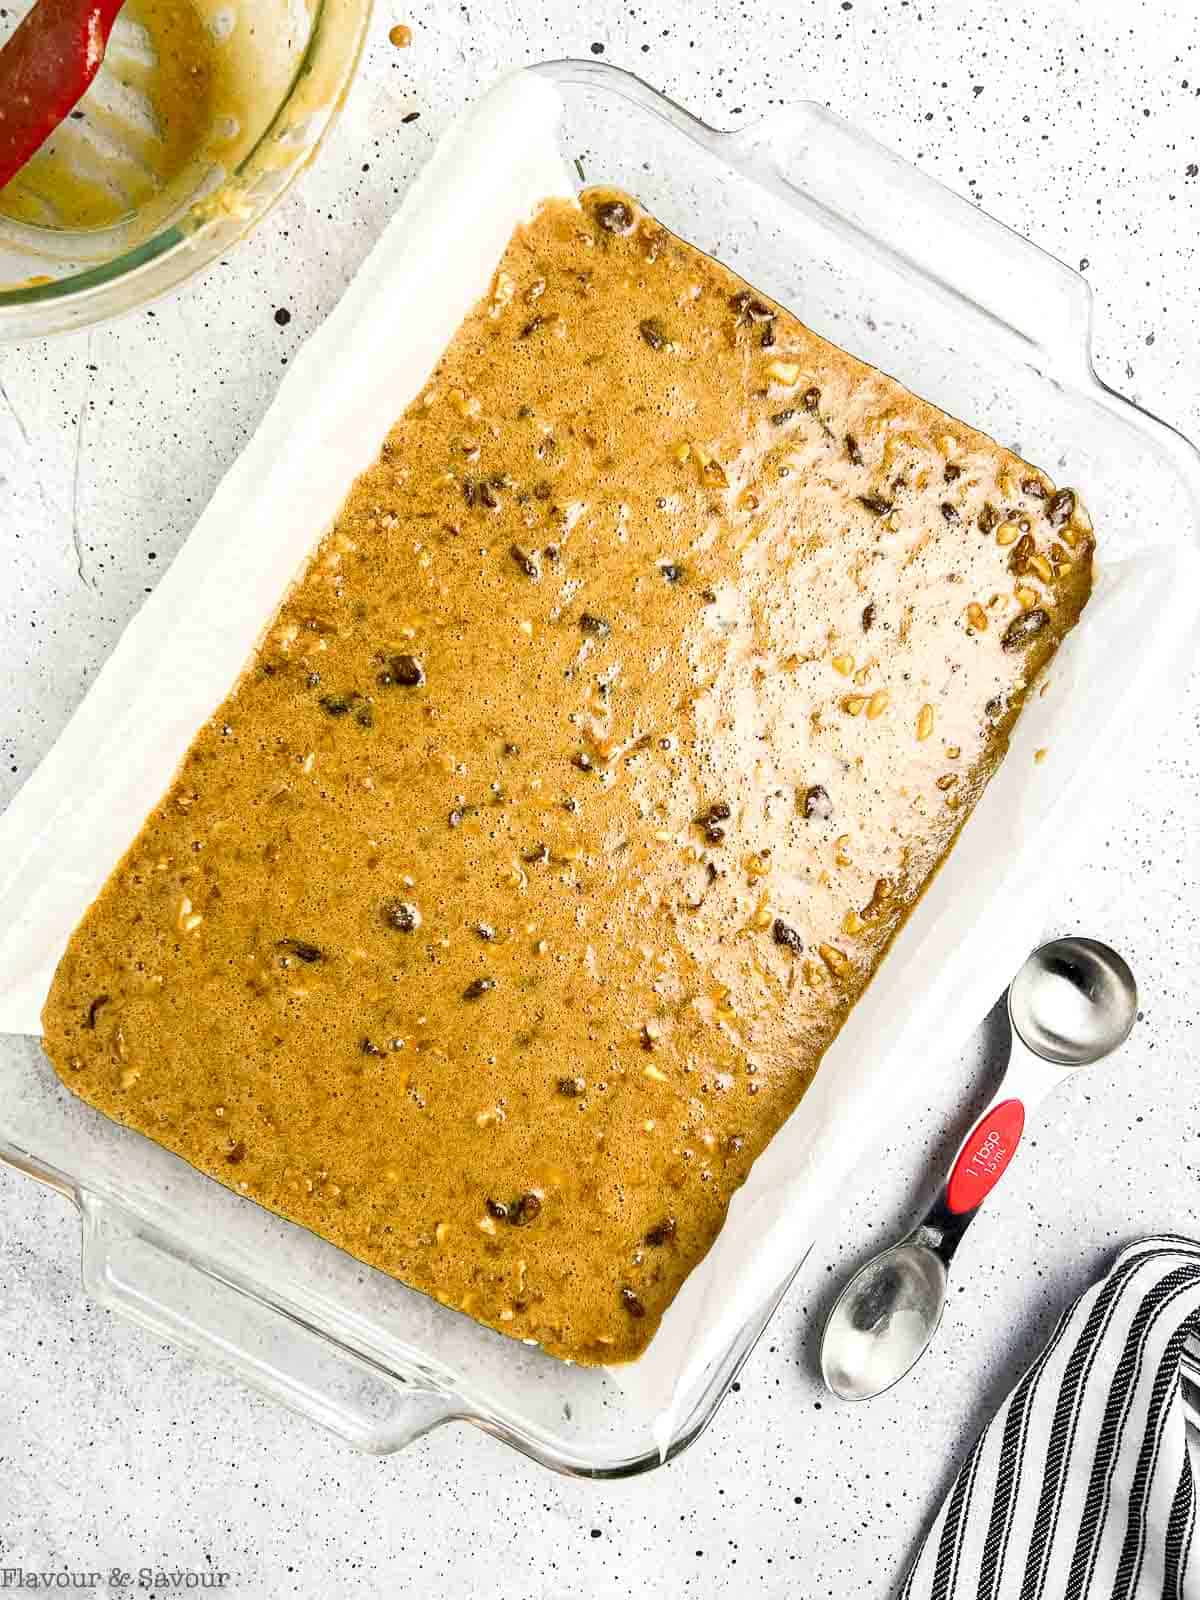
(1081, 1488)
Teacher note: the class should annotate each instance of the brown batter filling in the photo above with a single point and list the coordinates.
(507, 906)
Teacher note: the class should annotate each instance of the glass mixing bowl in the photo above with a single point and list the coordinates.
(282, 69)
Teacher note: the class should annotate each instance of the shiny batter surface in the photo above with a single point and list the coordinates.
(505, 909)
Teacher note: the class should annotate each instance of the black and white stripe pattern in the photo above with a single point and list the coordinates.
(1081, 1488)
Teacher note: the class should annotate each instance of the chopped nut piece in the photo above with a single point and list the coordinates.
(614, 216)
(524, 1210)
(1061, 508)
(712, 473)
(1026, 596)
(880, 895)
(977, 617)
(1024, 628)
(817, 803)
(308, 953)
(653, 332)
(750, 309)
(783, 371)
(340, 705)
(528, 563)
(853, 704)
(401, 915)
(924, 722)
(406, 671)
(836, 960)
(875, 503)
(1007, 533)
(878, 703)
(1019, 557)
(632, 1303)
(843, 664)
(718, 811)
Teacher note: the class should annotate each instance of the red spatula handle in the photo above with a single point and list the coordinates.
(45, 69)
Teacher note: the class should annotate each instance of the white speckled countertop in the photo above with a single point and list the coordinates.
(1080, 126)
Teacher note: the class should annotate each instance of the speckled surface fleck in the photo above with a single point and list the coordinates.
(1081, 127)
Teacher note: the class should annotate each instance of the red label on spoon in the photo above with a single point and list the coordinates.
(991, 1146)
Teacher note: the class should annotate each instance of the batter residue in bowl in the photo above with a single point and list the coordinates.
(142, 122)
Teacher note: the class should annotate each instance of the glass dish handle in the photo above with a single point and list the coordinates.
(138, 1271)
(950, 247)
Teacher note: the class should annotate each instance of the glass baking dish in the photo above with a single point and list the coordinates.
(915, 280)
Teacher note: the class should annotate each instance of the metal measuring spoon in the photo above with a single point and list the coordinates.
(1073, 1002)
